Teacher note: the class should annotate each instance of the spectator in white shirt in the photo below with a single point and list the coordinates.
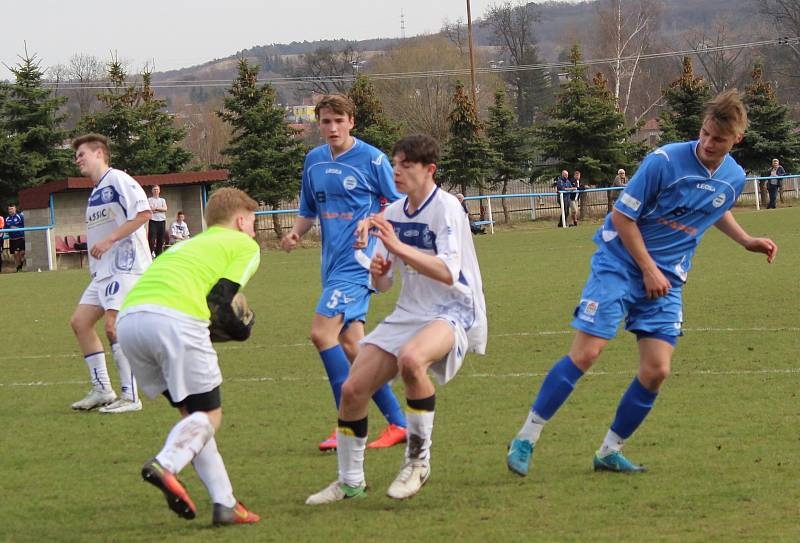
(179, 230)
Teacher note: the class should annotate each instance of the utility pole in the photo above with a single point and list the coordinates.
(471, 57)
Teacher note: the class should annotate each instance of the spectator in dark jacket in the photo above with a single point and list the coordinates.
(774, 185)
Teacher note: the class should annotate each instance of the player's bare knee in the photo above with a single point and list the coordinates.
(353, 395)
(321, 339)
(585, 356)
(411, 365)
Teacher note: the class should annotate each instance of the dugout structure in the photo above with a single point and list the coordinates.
(58, 209)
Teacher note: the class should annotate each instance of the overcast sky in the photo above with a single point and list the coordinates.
(180, 33)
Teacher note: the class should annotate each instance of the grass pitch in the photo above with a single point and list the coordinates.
(721, 443)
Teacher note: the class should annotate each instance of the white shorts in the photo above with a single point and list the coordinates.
(400, 327)
(109, 292)
(168, 350)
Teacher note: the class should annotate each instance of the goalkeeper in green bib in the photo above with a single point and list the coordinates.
(163, 328)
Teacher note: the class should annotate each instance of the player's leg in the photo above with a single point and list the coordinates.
(160, 237)
(372, 368)
(151, 237)
(557, 386)
(655, 357)
(431, 345)
(384, 397)
(112, 294)
(82, 322)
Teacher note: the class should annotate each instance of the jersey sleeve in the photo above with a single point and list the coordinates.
(448, 239)
(383, 174)
(644, 186)
(308, 203)
(245, 262)
(133, 194)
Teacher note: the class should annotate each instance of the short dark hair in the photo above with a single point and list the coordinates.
(95, 141)
(420, 148)
(338, 103)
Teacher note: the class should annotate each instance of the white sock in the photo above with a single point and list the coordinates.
(185, 441)
(209, 466)
(127, 382)
(98, 373)
(350, 453)
(420, 429)
(532, 427)
(612, 443)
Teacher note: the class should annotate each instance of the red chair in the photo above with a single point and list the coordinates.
(71, 241)
(62, 248)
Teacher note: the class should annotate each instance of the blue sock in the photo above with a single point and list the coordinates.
(556, 387)
(337, 366)
(634, 406)
(387, 402)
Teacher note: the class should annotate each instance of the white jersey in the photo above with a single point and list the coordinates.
(439, 227)
(115, 200)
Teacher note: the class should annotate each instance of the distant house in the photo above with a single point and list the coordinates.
(649, 133)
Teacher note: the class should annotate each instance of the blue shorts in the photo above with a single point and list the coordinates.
(614, 291)
(347, 299)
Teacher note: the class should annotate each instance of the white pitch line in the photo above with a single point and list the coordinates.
(511, 334)
(524, 375)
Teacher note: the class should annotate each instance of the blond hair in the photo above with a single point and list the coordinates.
(338, 103)
(94, 142)
(225, 203)
(728, 112)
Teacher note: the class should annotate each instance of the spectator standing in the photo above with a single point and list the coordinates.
(474, 228)
(565, 185)
(16, 244)
(774, 185)
(179, 230)
(156, 229)
(2, 241)
(621, 180)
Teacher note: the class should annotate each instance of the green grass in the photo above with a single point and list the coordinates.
(721, 444)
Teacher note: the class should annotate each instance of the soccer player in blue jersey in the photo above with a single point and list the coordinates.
(645, 248)
(343, 182)
(16, 244)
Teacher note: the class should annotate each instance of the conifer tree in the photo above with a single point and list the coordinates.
(266, 155)
(371, 123)
(467, 159)
(771, 132)
(686, 100)
(143, 137)
(586, 131)
(30, 125)
(510, 145)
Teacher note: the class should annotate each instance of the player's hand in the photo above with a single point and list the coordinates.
(762, 245)
(362, 233)
(379, 266)
(384, 231)
(101, 247)
(290, 241)
(656, 284)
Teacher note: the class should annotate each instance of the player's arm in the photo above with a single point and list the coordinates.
(124, 230)
(220, 304)
(301, 226)
(428, 265)
(655, 283)
(728, 225)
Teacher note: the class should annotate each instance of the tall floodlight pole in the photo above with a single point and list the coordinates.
(471, 57)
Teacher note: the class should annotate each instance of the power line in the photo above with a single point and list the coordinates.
(393, 76)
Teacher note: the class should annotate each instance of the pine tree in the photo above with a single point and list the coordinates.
(143, 137)
(686, 98)
(467, 159)
(371, 123)
(586, 130)
(771, 132)
(266, 154)
(510, 145)
(33, 146)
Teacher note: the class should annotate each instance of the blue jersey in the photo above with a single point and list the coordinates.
(16, 221)
(674, 199)
(340, 193)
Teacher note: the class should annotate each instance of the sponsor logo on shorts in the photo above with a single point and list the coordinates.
(630, 201)
(588, 310)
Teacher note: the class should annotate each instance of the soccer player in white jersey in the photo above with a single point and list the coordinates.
(118, 254)
(645, 248)
(439, 317)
